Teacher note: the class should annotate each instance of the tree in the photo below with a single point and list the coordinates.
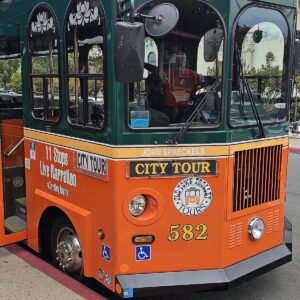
(267, 80)
(270, 59)
(8, 68)
(16, 81)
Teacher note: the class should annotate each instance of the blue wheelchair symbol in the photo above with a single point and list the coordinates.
(106, 252)
(142, 253)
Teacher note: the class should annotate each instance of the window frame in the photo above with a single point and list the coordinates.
(13, 106)
(222, 86)
(102, 77)
(289, 71)
(42, 76)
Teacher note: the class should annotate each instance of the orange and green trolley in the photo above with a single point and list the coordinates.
(145, 143)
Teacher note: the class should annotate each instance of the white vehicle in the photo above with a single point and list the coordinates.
(295, 129)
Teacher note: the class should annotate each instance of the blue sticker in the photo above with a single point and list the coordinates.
(140, 123)
(106, 252)
(142, 253)
(128, 293)
(108, 279)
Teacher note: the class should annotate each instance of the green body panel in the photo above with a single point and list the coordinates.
(9, 30)
(17, 12)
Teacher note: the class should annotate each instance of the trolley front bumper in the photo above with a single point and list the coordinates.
(194, 281)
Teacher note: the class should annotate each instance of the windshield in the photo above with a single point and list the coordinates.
(262, 41)
(180, 68)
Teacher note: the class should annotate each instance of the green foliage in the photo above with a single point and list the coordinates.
(41, 65)
(10, 74)
(16, 81)
(295, 114)
(94, 66)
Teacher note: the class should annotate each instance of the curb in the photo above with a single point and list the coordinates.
(294, 150)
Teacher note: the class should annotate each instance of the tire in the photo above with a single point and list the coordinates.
(65, 248)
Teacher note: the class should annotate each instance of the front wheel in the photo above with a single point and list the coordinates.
(65, 248)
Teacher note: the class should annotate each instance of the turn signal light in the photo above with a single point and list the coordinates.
(143, 239)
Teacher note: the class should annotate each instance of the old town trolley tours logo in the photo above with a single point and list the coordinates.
(192, 196)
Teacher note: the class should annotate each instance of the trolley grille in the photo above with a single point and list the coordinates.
(256, 177)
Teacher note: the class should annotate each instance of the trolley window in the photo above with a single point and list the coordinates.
(260, 69)
(44, 57)
(181, 68)
(11, 100)
(85, 64)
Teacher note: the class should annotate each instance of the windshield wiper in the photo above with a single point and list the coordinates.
(176, 140)
(250, 94)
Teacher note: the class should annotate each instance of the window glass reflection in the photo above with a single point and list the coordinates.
(261, 53)
(180, 69)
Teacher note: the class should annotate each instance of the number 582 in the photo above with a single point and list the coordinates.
(188, 232)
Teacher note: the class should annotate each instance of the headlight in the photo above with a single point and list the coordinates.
(137, 205)
(256, 229)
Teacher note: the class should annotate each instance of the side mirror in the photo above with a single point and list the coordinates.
(129, 51)
(130, 39)
(297, 58)
(212, 43)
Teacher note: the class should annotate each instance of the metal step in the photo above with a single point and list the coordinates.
(21, 201)
(21, 210)
(15, 224)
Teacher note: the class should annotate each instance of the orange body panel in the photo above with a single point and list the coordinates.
(11, 134)
(94, 204)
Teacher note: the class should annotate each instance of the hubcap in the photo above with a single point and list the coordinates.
(68, 251)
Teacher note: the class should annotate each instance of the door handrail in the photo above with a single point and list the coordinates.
(8, 154)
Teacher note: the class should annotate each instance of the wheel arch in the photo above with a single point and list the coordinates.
(45, 227)
(80, 218)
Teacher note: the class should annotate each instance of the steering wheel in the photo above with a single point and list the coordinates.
(195, 95)
(190, 104)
